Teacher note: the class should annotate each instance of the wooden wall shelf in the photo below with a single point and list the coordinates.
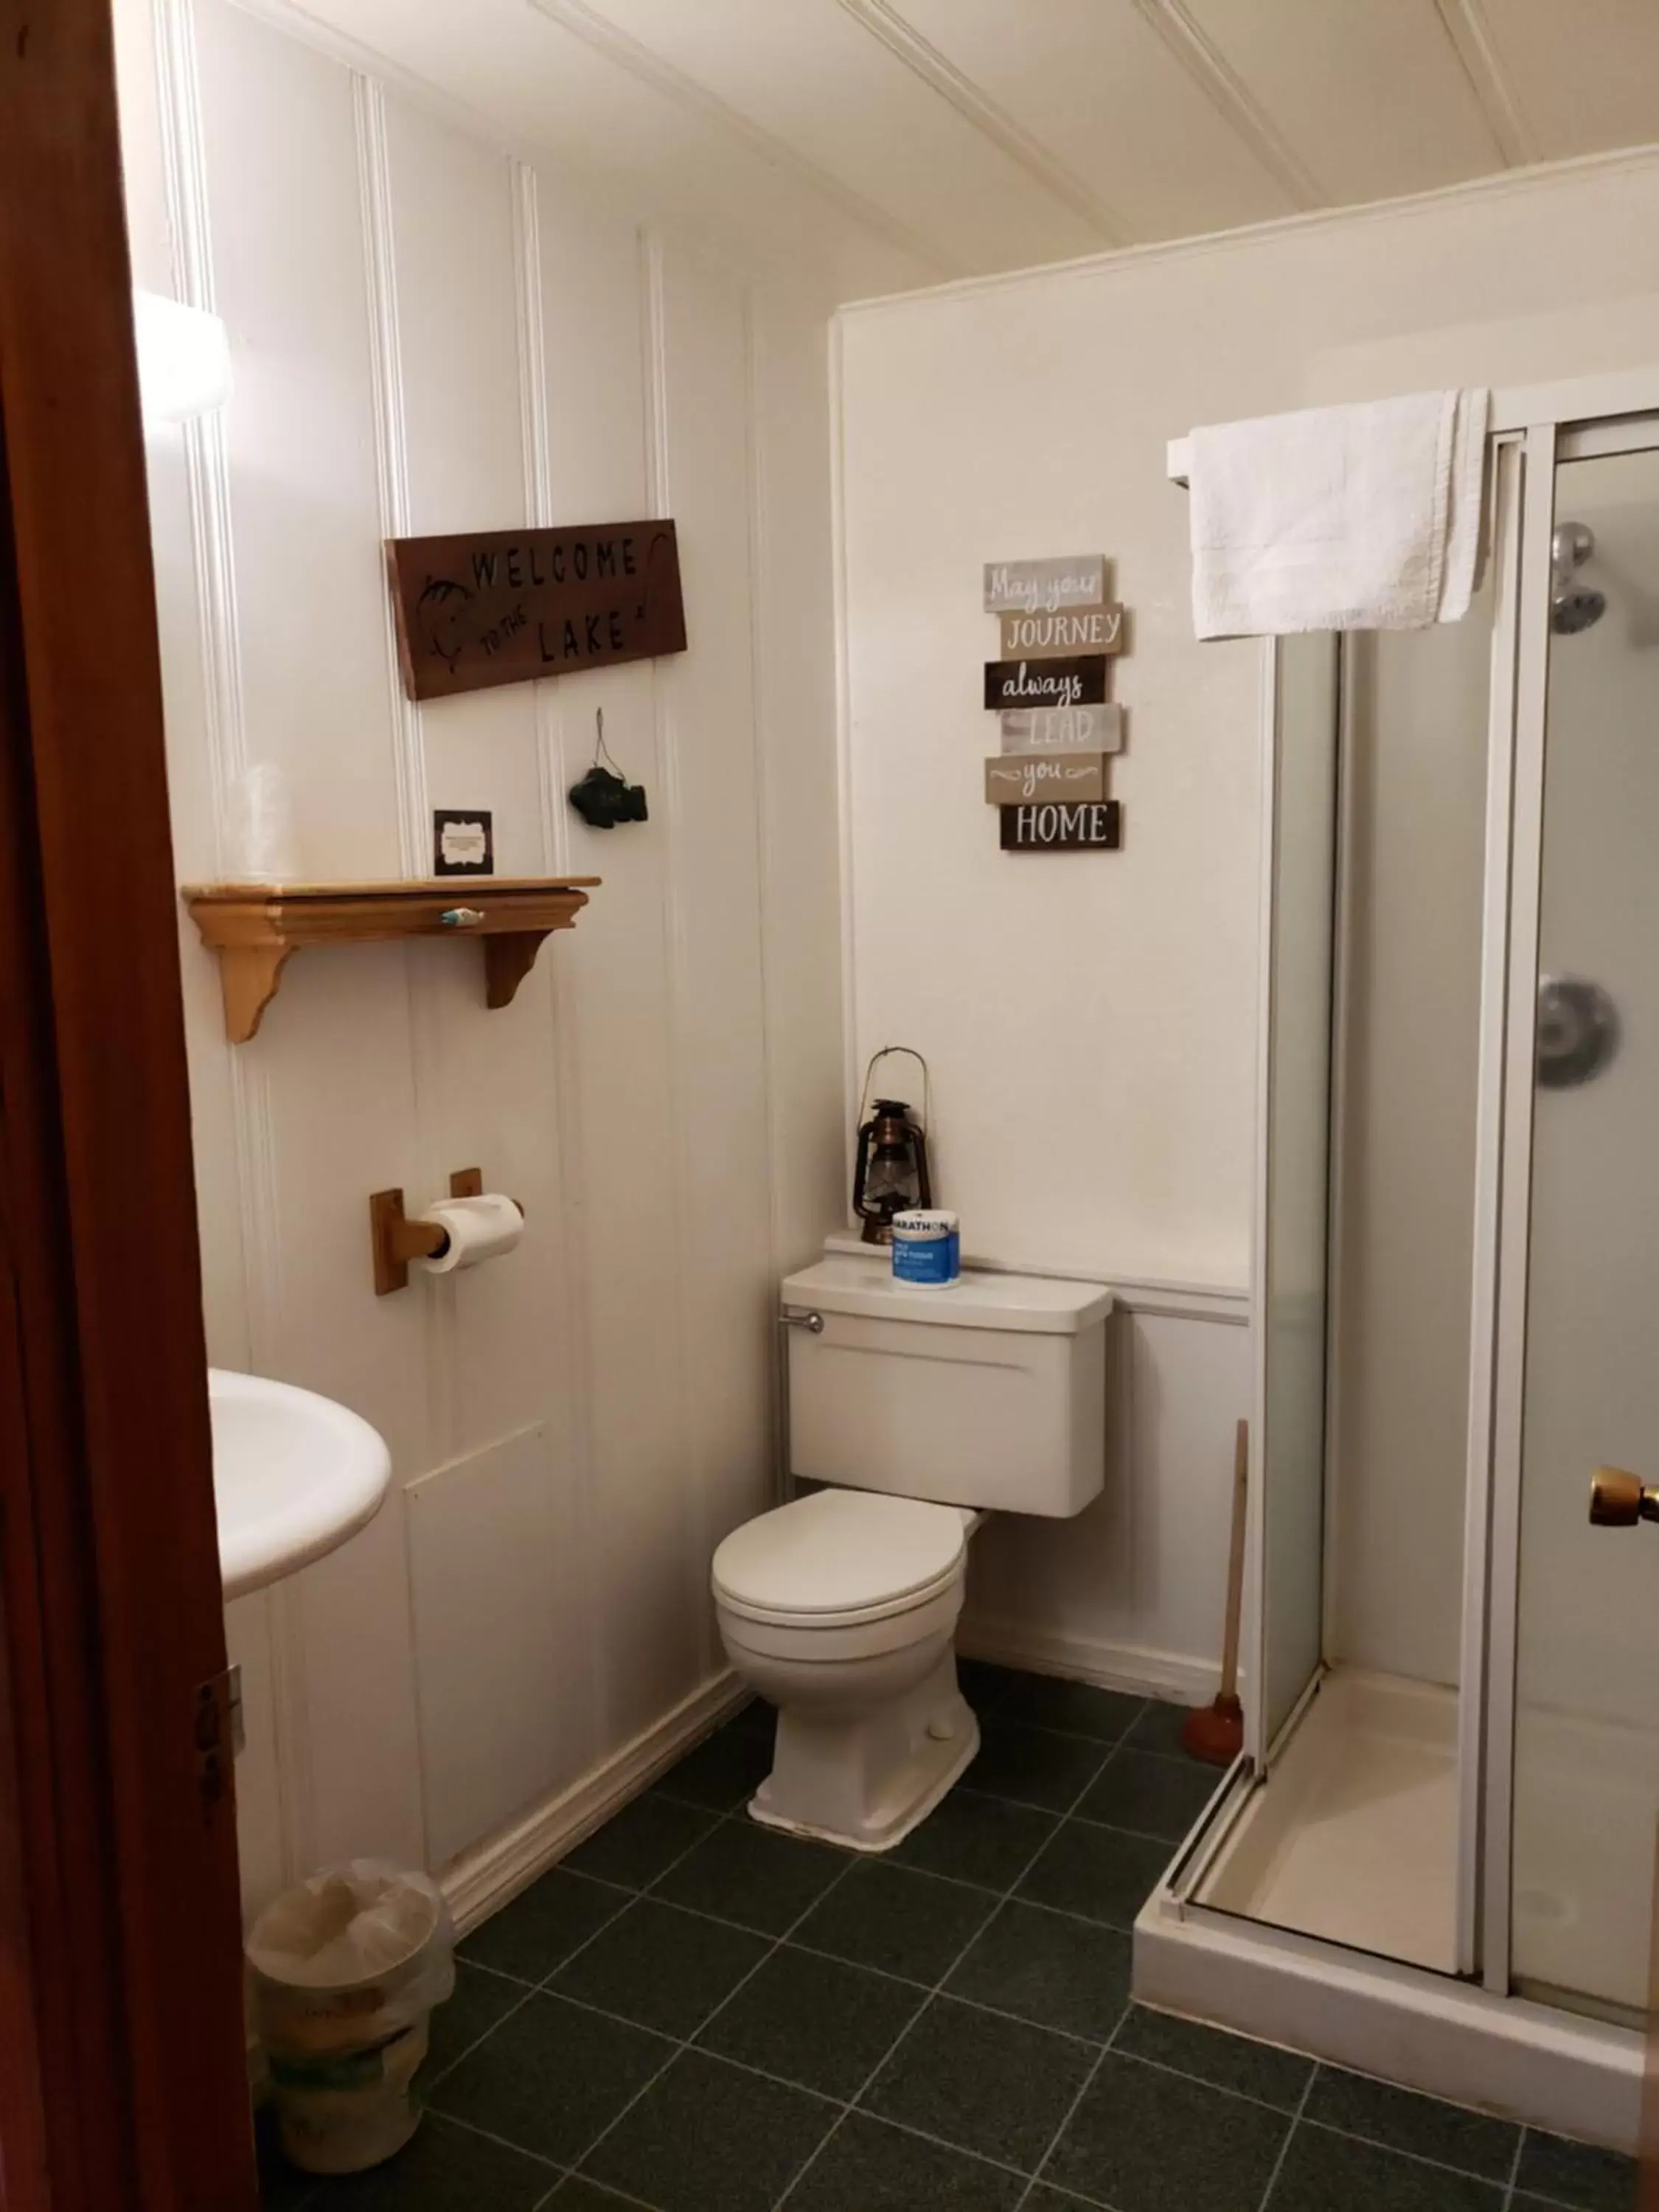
(254, 927)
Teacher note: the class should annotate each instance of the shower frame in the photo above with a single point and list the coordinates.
(1464, 2034)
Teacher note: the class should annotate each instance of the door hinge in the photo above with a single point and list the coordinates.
(220, 1734)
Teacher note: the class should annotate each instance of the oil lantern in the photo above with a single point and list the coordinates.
(892, 1170)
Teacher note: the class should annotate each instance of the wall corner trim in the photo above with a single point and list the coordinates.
(491, 1873)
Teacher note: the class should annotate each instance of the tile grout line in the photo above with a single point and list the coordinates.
(925, 1994)
(1297, 2118)
(536, 1988)
(771, 1950)
(1514, 2170)
(903, 1866)
(925, 1991)
(1071, 2111)
(855, 2103)
(1418, 2157)
(1100, 2056)
(731, 1816)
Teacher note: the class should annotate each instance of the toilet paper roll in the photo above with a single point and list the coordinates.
(478, 1229)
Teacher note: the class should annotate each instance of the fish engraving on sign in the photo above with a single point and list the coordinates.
(1069, 579)
(1058, 828)
(504, 606)
(1063, 729)
(1080, 682)
(1011, 777)
(1072, 629)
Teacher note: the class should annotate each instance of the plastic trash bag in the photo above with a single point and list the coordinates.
(344, 1972)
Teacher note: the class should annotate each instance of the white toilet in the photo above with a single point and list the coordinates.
(921, 1410)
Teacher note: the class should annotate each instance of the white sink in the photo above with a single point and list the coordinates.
(294, 1475)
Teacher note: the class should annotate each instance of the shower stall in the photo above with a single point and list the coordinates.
(1436, 1859)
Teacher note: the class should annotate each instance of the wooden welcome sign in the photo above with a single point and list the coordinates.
(501, 606)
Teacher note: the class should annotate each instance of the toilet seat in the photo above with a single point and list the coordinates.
(840, 1559)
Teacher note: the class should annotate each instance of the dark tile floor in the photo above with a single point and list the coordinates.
(693, 2013)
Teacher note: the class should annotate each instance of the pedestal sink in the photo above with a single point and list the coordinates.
(294, 1475)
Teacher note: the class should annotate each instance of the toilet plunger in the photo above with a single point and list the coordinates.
(1216, 1732)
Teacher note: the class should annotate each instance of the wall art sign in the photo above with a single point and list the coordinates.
(501, 606)
(1011, 777)
(1072, 630)
(1075, 580)
(1078, 682)
(1065, 729)
(462, 840)
(1055, 827)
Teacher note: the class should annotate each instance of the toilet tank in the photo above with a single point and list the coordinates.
(989, 1394)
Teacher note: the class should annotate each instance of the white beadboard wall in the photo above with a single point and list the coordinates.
(428, 336)
(1090, 1019)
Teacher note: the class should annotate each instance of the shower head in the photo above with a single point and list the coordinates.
(1573, 607)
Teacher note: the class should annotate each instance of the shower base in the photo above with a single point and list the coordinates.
(1325, 1918)
(1355, 1838)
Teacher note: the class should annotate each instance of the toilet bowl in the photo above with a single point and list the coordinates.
(912, 1412)
(841, 1609)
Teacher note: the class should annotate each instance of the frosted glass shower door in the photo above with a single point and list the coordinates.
(1587, 1688)
(1288, 1462)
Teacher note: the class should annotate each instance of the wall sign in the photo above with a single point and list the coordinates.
(1011, 777)
(1070, 729)
(1078, 682)
(493, 607)
(1056, 827)
(463, 841)
(1071, 580)
(1075, 630)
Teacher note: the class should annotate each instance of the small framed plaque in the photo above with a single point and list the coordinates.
(463, 841)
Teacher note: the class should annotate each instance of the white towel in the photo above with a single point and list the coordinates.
(1339, 518)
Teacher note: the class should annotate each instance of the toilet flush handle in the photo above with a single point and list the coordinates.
(814, 1321)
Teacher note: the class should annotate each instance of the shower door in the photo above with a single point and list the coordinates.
(1586, 1715)
(1290, 1292)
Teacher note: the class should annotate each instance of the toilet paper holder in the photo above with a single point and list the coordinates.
(397, 1239)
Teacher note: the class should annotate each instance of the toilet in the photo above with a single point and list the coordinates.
(913, 1412)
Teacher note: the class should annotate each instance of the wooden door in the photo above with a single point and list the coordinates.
(122, 2056)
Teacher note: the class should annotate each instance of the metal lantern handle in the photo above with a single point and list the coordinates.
(888, 1052)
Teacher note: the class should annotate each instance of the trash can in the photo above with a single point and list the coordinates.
(344, 1972)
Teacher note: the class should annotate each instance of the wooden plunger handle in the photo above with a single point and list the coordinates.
(1236, 1562)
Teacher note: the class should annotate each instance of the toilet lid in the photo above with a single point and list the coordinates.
(841, 1551)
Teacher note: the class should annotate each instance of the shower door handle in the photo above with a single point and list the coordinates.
(1619, 1500)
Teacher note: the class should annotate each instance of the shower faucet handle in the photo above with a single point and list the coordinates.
(1619, 1500)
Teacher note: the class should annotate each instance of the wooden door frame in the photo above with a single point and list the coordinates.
(123, 2075)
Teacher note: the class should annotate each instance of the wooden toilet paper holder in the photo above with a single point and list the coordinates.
(396, 1240)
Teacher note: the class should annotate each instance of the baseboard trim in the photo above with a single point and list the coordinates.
(1132, 1667)
(491, 1873)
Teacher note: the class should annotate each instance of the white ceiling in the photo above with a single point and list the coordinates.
(883, 143)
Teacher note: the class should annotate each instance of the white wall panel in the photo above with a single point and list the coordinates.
(488, 1588)
(281, 143)
(661, 155)
(1090, 1019)
(793, 582)
(719, 1014)
(429, 336)
(1135, 1585)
